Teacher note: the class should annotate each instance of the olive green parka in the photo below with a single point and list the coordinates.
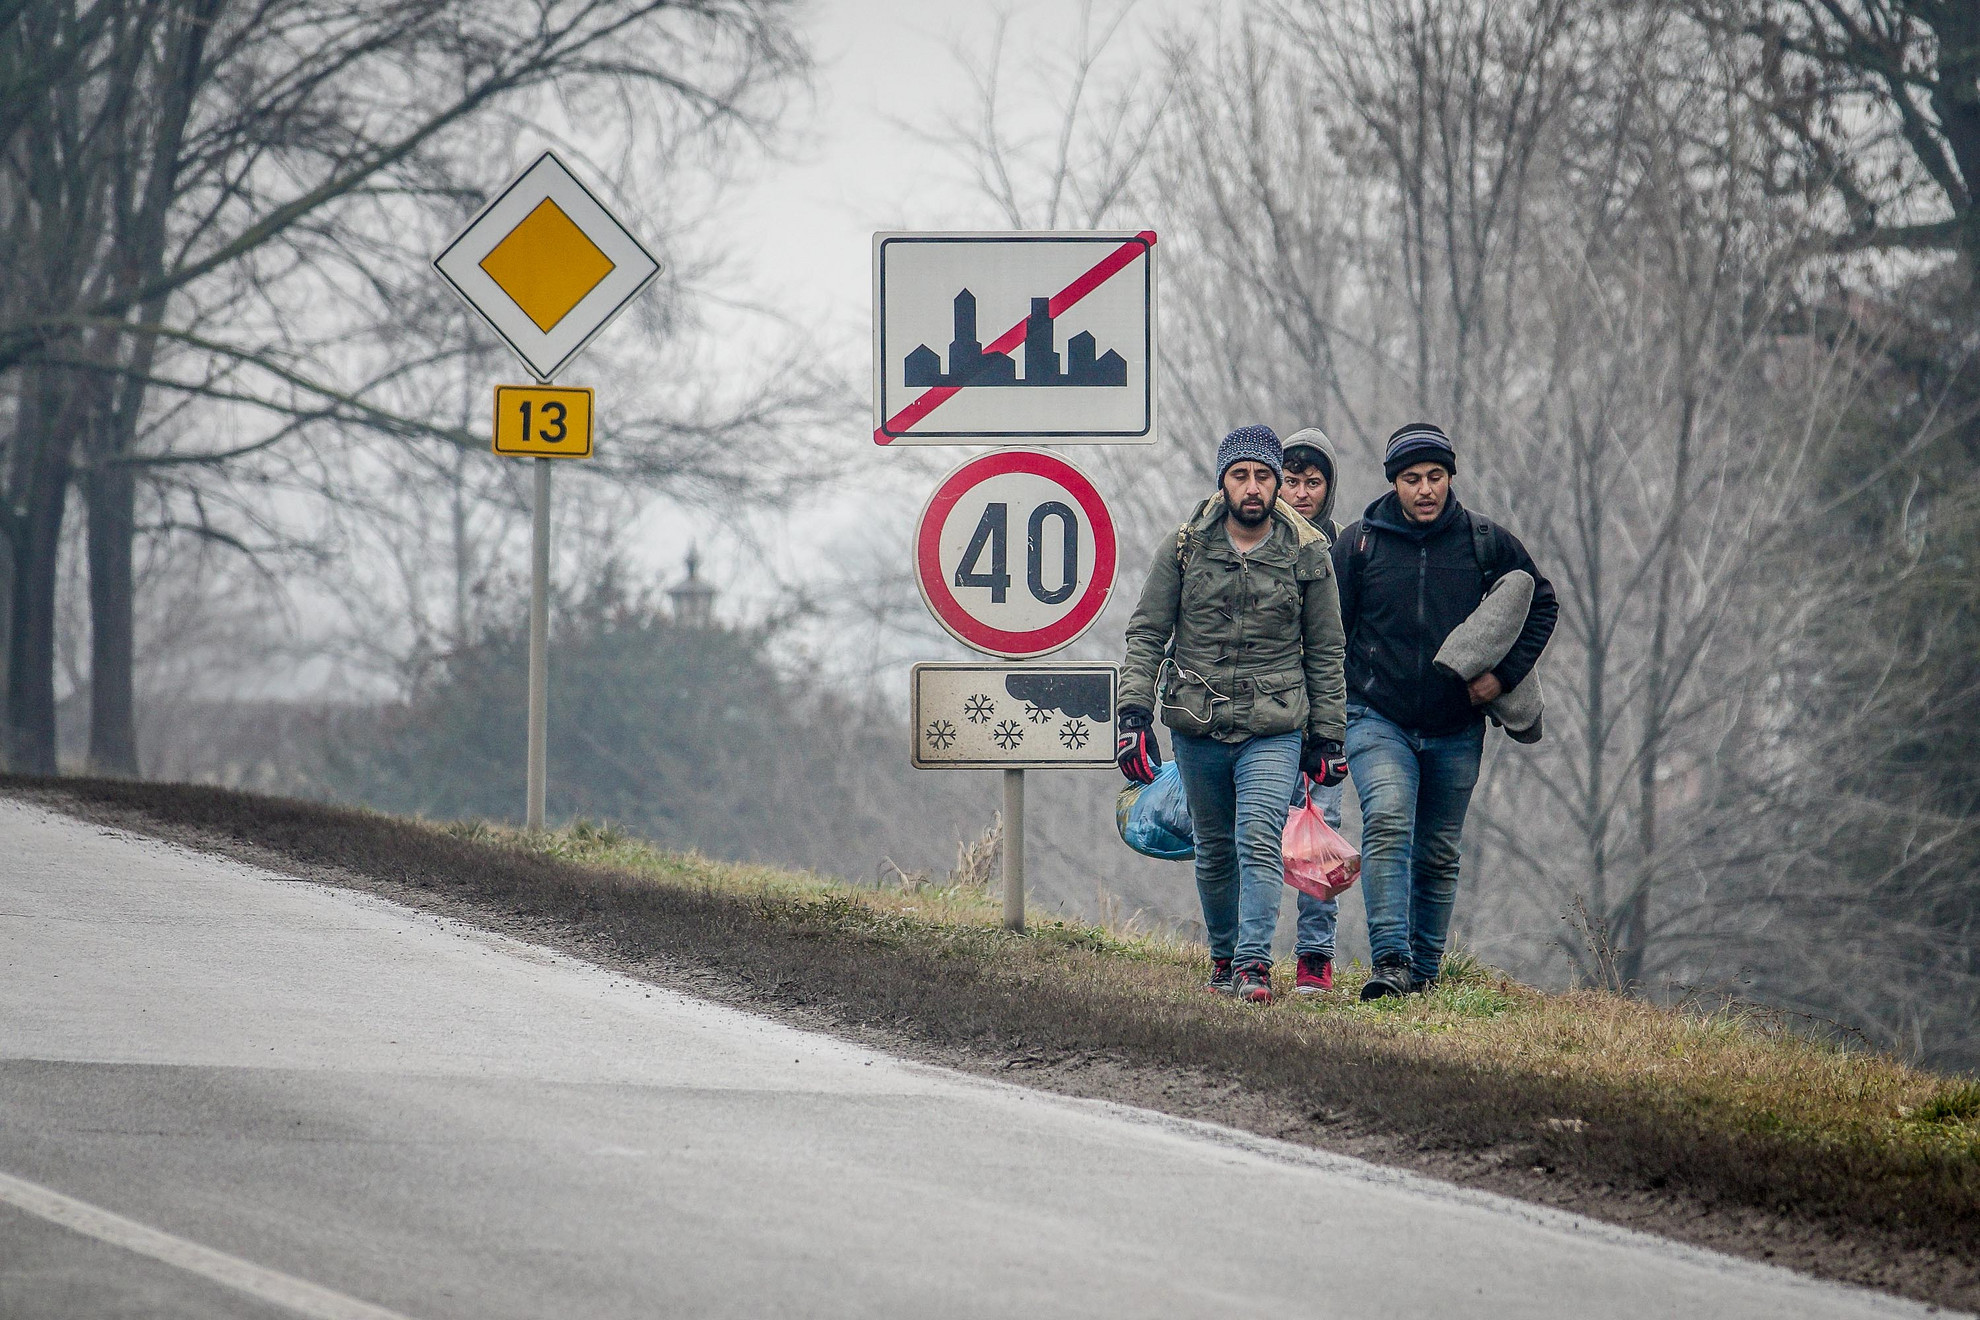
(1257, 643)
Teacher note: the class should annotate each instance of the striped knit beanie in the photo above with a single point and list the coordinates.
(1418, 442)
(1259, 444)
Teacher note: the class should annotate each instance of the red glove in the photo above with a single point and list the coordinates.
(1323, 761)
(1135, 751)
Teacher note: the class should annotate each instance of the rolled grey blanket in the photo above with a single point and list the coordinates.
(1483, 639)
(1520, 709)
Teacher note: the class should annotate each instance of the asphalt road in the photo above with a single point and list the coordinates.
(223, 1093)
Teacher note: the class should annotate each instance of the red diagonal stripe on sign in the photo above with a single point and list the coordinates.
(1110, 265)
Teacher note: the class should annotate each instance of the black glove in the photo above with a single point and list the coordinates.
(1323, 759)
(1135, 750)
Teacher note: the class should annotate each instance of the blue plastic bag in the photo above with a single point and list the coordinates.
(1154, 818)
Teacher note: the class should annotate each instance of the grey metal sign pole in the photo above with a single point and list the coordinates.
(539, 643)
(1095, 291)
(547, 287)
(1014, 849)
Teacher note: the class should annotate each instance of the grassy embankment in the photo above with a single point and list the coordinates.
(1735, 1066)
(1716, 1113)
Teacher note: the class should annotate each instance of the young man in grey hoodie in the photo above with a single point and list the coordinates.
(1309, 488)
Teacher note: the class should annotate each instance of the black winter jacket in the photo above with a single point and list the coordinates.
(1404, 588)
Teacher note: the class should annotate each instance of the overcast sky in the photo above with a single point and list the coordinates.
(798, 230)
(806, 222)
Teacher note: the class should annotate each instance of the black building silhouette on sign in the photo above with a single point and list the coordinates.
(970, 365)
(1041, 364)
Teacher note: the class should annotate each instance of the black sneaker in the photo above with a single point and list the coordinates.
(1254, 983)
(1222, 980)
(1388, 978)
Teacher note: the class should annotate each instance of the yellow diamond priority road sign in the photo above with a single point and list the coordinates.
(547, 265)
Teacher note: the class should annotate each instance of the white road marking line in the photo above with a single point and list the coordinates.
(298, 1295)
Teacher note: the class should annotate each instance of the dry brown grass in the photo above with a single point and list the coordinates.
(1716, 1116)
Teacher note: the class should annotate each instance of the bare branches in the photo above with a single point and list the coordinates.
(1872, 106)
(1064, 149)
(1556, 228)
(203, 214)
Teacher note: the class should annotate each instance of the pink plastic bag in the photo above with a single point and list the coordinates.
(1318, 861)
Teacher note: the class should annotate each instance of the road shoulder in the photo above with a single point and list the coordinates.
(829, 991)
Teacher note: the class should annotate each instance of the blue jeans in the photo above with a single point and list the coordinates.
(1237, 803)
(1414, 791)
(1316, 915)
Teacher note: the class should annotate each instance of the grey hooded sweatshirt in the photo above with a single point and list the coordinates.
(1315, 438)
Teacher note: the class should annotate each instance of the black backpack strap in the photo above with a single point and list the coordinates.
(1484, 548)
(1358, 557)
(1356, 537)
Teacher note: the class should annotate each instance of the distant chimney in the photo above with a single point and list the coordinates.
(694, 600)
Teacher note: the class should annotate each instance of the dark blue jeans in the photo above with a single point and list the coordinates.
(1414, 791)
(1237, 804)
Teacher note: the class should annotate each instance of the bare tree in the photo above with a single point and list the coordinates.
(1062, 149)
(1874, 113)
(274, 139)
(1555, 226)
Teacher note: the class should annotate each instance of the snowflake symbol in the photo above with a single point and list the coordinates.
(941, 734)
(1008, 734)
(1074, 734)
(979, 708)
(1036, 713)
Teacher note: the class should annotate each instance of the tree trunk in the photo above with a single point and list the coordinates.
(110, 495)
(1634, 928)
(37, 542)
(110, 489)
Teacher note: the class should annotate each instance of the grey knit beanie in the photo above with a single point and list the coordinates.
(1418, 442)
(1259, 444)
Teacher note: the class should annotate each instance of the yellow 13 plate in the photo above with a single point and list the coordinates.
(543, 421)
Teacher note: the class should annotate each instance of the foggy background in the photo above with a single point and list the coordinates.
(1692, 286)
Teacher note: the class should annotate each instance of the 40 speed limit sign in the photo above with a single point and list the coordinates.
(1015, 553)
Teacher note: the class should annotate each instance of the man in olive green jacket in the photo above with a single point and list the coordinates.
(1237, 642)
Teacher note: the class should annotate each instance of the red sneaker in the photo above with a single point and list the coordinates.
(1316, 973)
(1254, 983)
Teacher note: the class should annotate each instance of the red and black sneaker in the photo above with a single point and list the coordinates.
(1316, 973)
(1221, 981)
(1254, 983)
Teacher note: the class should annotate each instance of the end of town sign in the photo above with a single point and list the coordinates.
(1014, 338)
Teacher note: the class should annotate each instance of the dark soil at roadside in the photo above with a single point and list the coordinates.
(1082, 1019)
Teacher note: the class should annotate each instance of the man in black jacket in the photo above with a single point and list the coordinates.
(1414, 568)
